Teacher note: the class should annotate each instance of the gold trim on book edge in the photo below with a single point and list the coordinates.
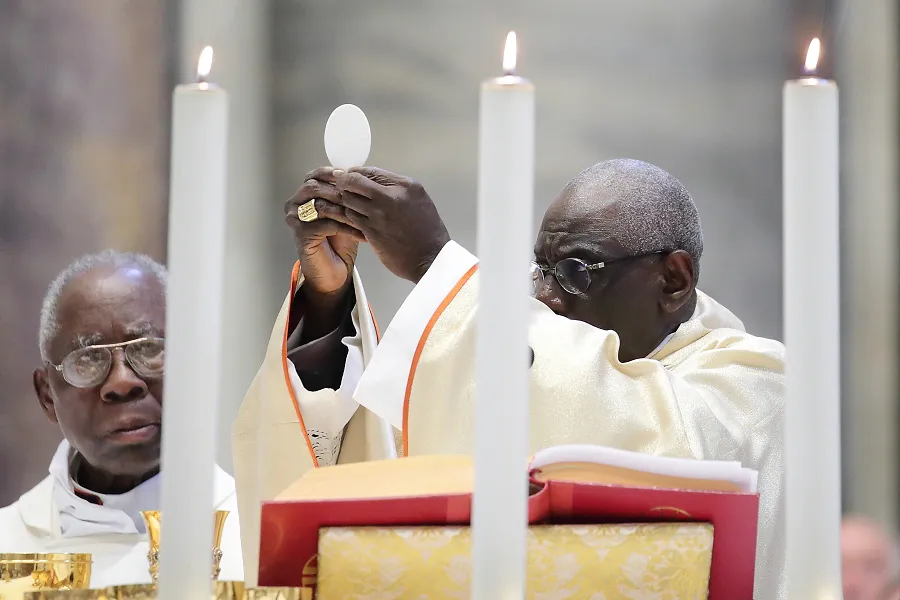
(674, 509)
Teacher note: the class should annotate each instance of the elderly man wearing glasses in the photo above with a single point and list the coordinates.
(627, 352)
(101, 340)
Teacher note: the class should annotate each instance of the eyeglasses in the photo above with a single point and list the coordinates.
(89, 366)
(573, 274)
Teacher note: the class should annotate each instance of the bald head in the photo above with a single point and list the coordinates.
(110, 261)
(642, 207)
(623, 243)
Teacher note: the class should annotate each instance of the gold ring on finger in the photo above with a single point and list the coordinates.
(307, 212)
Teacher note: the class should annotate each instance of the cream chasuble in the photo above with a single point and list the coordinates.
(282, 430)
(711, 391)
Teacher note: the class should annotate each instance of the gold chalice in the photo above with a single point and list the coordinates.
(218, 528)
(153, 521)
(20, 573)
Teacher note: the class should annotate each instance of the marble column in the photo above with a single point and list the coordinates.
(866, 41)
(83, 147)
(254, 287)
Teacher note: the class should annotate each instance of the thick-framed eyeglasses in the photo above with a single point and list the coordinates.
(573, 274)
(89, 366)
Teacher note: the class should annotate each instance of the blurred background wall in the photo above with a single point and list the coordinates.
(84, 106)
(693, 86)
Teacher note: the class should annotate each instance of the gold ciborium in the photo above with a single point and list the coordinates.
(20, 573)
(153, 521)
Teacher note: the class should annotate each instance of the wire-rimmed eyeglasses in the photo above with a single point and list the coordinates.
(89, 366)
(573, 274)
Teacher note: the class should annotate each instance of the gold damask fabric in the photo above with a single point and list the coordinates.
(663, 561)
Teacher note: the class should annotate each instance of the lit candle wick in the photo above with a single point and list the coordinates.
(812, 56)
(204, 64)
(509, 54)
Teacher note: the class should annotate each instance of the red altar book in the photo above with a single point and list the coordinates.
(569, 485)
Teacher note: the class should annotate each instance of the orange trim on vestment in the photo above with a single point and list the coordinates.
(375, 323)
(421, 346)
(295, 275)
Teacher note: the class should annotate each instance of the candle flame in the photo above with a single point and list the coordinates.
(812, 55)
(509, 54)
(204, 65)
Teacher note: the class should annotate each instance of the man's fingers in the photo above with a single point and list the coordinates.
(379, 175)
(311, 189)
(322, 174)
(326, 210)
(322, 228)
(338, 213)
(359, 184)
(355, 203)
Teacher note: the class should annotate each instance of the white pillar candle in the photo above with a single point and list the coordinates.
(193, 334)
(811, 335)
(505, 200)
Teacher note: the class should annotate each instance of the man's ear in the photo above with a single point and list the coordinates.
(41, 380)
(678, 272)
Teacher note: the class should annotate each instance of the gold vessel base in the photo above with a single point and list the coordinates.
(222, 590)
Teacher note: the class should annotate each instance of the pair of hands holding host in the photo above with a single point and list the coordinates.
(394, 214)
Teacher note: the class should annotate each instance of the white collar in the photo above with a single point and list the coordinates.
(661, 344)
(46, 508)
(85, 512)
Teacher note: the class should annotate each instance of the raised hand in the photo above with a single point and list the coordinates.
(395, 215)
(326, 247)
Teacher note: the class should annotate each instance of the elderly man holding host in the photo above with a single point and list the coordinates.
(627, 352)
(102, 342)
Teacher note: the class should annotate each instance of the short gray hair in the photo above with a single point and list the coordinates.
(49, 326)
(656, 210)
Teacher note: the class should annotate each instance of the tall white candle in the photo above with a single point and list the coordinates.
(193, 334)
(811, 334)
(505, 199)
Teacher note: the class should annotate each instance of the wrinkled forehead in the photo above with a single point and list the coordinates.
(107, 305)
(577, 224)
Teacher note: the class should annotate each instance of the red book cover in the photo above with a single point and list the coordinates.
(290, 529)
